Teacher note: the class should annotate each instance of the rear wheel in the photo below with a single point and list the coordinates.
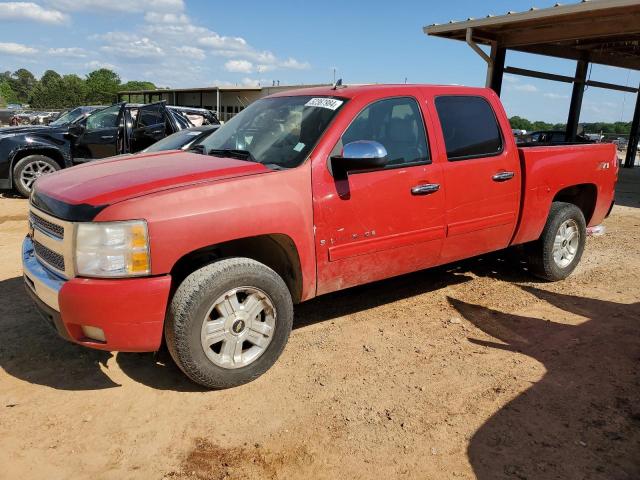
(228, 322)
(558, 251)
(29, 169)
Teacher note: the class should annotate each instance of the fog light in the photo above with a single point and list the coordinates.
(94, 333)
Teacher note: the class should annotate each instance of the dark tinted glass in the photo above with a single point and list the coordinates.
(469, 127)
(397, 124)
(152, 115)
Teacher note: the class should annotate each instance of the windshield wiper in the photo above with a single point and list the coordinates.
(233, 153)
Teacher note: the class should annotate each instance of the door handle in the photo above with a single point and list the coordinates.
(107, 137)
(155, 132)
(425, 189)
(503, 176)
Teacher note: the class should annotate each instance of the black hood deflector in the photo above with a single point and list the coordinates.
(82, 212)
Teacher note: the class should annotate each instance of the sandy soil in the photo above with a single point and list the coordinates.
(470, 371)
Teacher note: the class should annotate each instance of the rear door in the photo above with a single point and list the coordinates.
(482, 174)
(101, 136)
(381, 222)
(151, 123)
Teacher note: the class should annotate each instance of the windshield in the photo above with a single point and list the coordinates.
(68, 117)
(279, 132)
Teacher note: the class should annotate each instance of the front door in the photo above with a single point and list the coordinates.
(101, 136)
(482, 177)
(380, 223)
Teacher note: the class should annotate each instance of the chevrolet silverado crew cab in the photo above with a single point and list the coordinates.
(301, 194)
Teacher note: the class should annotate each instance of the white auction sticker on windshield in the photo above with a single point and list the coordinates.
(330, 103)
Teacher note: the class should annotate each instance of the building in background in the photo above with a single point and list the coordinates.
(226, 101)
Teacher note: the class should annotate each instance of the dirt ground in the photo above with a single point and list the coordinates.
(469, 371)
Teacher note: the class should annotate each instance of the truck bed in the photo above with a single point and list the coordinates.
(548, 170)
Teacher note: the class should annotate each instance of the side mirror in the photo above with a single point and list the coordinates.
(76, 129)
(360, 155)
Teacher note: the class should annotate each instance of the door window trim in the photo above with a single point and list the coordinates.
(429, 161)
(499, 152)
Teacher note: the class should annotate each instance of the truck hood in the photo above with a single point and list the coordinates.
(105, 182)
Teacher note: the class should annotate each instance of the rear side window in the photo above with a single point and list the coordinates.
(469, 127)
(152, 115)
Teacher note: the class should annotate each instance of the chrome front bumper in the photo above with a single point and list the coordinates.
(38, 279)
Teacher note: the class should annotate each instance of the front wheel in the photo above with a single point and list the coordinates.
(29, 169)
(228, 322)
(558, 251)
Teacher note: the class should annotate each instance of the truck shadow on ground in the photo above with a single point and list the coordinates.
(31, 351)
(582, 419)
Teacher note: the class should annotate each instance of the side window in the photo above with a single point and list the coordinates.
(397, 124)
(152, 115)
(469, 127)
(107, 118)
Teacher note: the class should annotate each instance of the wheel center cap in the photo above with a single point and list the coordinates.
(238, 326)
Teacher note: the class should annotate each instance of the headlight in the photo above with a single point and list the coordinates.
(113, 249)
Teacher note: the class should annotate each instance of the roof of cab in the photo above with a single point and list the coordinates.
(351, 91)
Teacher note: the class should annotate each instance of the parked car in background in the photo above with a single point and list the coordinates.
(198, 116)
(184, 139)
(44, 118)
(594, 137)
(621, 143)
(21, 117)
(6, 114)
(302, 193)
(27, 153)
(549, 137)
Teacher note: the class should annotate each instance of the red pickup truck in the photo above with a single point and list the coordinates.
(301, 194)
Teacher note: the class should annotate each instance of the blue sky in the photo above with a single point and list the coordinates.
(186, 43)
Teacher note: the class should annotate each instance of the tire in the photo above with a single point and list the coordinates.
(194, 305)
(541, 259)
(29, 169)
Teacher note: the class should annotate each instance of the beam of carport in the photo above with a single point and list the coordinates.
(634, 137)
(575, 107)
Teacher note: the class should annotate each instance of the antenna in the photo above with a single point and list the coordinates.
(337, 84)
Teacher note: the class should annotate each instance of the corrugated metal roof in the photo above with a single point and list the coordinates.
(600, 31)
(534, 13)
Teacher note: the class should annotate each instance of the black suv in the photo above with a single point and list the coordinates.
(88, 133)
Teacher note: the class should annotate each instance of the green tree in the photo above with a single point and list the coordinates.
(102, 86)
(22, 83)
(74, 91)
(137, 85)
(48, 92)
(520, 123)
(7, 95)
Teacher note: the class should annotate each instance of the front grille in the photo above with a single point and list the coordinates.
(48, 256)
(47, 227)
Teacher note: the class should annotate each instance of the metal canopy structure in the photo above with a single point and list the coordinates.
(605, 32)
